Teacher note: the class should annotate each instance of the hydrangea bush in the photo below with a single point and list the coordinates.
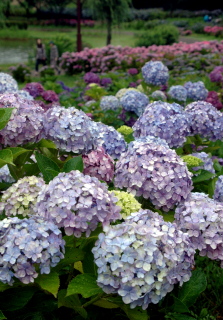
(155, 73)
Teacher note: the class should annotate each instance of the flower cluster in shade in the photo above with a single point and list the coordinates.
(218, 192)
(110, 103)
(110, 139)
(178, 93)
(20, 198)
(142, 258)
(35, 89)
(91, 77)
(155, 73)
(26, 243)
(26, 122)
(214, 99)
(50, 96)
(5, 175)
(133, 71)
(7, 83)
(196, 90)
(217, 74)
(192, 161)
(201, 218)
(78, 203)
(105, 82)
(125, 130)
(205, 120)
(154, 171)
(134, 101)
(99, 164)
(207, 164)
(127, 202)
(158, 95)
(120, 93)
(69, 129)
(164, 120)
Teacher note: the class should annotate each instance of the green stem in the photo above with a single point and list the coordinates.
(93, 300)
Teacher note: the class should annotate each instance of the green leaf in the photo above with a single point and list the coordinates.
(136, 313)
(168, 217)
(2, 316)
(46, 144)
(211, 187)
(4, 286)
(49, 282)
(191, 289)
(182, 317)
(5, 115)
(104, 303)
(17, 151)
(203, 176)
(31, 169)
(179, 306)
(17, 298)
(52, 173)
(85, 284)
(75, 163)
(45, 163)
(71, 255)
(72, 302)
(6, 157)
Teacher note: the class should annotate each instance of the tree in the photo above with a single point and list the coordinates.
(111, 11)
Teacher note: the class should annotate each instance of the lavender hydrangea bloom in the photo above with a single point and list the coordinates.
(158, 95)
(26, 122)
(205, 120)
(109, 103)
(196, 90)
(69, 129)
(178, 92)
(20, 198)
(5, 175)
(207, 162)
(105, 82)
(218, 193)
(155, 72)
(78, 203)
(24, 94)
(201, 217)
(99, 164)
(154, 172)
(134, 101)
(91, 77)
(35, 89)
(142, 258)
(151, 139)
(216, 75)
(7, 83)
(50, 96)
(25, 244)
(164, 120)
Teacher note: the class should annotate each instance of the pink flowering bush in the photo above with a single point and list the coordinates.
(214, 30)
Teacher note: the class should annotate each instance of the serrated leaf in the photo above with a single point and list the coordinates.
(45, 163)
(17, 298)
(6, 157)
(104, 303)
(5, 115)
(16, 151)
(71, 255)
(203, 176)
(191, 289)
(49, 282)
(2, 316)
(75, 163)
(136, 313)
(84, 284)
(179, 306)
(72, 302)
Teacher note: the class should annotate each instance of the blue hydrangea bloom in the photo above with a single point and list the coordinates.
(7, 83)
(134, 101)
(155, 72)
(109, 103)
(196, 90)
(178, 92)
(5, 175)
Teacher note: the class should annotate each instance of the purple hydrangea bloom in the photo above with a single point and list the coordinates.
(207, 162)
(25, 124)
(158, 95)
(99, 164)
(213, 98)
(91, 77)
(178, 92)
(205, 120)
(7, 83)
(5, 175)
(218, 192)
(164, 120)
(50, 96)
(142, 258)
(105, 82)
(69, 129)
(134, 101)
(155, 72)
(110, 103)
(78, 203)
(35, 89)
(155, 172)
(25, 244)
(133, 71)
(196, 90)
(217, 74)
(201, 217)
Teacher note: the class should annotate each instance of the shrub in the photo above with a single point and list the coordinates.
(198, 27)
(181, 23)
(21, 73)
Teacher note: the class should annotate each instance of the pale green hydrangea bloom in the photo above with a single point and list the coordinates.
(123, 91)
(125, 130)
(192, 161)
(127, 202)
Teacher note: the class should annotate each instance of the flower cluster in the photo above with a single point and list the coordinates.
(155, 172)
(132, 71)
(216, 75)
(205, 120)
(120, 93)
(125, 130)
(78, 203)
(5, 175)
(134, 101)
(142, 258)
(99, 164)
(218, 192)
(201, 217)
(207, 162)
(69, 129)
(127, 202)
(164, 120)
(20, 198)
(24, 94)
(7, 83)
(35, 89)
(155, 73)
(196, 90)
(50, 96)
(192, 161)
(91, 77)
(105, 82)
(158, 95)
(214, 99)
(25, 244)
(110, 103)
(178, 92)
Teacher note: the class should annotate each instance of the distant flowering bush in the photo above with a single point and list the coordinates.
(218, 192)
(142, 258)
(154, 72)
(132, 71)
(213, 29)
(207, 162)
(178, 92)
(196, 90)
(110, 103)
(35, 89)
(123, 91)
(91, 77)
(50, 96)
(105, 82)
(77, 203)
(216, 75)
(134, 101)
(214, 99)
(158, 95)
(7, 83)
(127, 202)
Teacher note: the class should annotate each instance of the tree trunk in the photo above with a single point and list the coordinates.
(109, 31)
(79, 42)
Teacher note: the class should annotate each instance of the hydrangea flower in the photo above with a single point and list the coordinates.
(127, 202)
(155, 73)
(50, 96)
(178, 92)
(91, 77)
(205, 120)
(125, 130)
(164, 120)
(216, 75)
(69, 129)
(155, 172)
(158, 95)
(192, 161)
(7, 83)
(142, 258)
(25, 244)
(109, 103)
(133, 71)
(99, 164)
(35, 89)
(5, 175)
(20, 198)
(24, 94)
(77, 202)
(134, 101)
(196, 90)
(25, 124)
(105, 82)
(208, 163)
(123, 91)
(213, 98)
(201, 217)
(218, 192)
